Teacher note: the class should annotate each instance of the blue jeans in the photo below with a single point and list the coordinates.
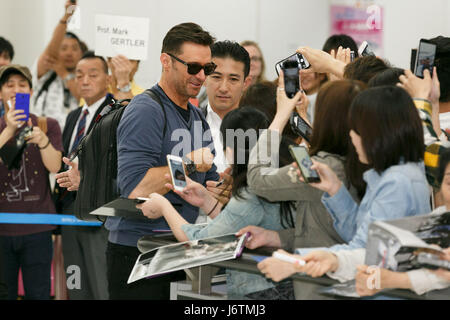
(32, 254)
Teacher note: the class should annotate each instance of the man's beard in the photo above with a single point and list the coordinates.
(183, 90)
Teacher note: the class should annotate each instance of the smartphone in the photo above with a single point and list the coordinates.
(301, 156)
(297, 57)
(23, 103)
(177, 172)
(425, 56)
(352, 56)
(300, 126)
(364, 50)
(291, 78)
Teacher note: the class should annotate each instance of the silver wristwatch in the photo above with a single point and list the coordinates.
(190, 166)
(127, 88)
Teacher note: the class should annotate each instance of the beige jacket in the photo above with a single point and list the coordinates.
(313, 223)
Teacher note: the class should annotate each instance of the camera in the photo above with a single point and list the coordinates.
(21, 137)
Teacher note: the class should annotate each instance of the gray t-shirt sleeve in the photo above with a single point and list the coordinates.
(139, 141)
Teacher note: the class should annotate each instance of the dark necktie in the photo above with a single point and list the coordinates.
(80, 131)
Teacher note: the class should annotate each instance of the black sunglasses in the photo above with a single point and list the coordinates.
(194, 68)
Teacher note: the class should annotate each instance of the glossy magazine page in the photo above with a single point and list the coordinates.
(185, 255)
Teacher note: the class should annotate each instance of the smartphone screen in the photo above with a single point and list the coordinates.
(425, 58)
(177, 172)
(301, 156)
(23, 103)
(291, 78)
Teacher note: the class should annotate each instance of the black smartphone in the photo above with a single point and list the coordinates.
(301, 156)
(291, 78)
(300, 126)
(412, 63)
(426, 53)
(297, 57)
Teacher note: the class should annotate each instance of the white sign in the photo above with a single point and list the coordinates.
(121, 35)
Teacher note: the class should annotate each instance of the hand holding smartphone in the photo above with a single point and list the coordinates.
(303, 160)
(301, 61)
(425, 57)
(291, 78)
(177, 172)
(300, 126)
(23, 103)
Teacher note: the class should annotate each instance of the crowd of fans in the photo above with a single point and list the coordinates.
(379, 145)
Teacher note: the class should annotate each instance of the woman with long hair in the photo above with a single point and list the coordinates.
(240, 130)
(387, 134)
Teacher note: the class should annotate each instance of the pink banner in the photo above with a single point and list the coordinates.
(361, 23)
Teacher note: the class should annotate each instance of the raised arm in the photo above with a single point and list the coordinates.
(50, 55)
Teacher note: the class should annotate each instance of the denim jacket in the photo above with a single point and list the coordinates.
(399, 191)
(240, 213)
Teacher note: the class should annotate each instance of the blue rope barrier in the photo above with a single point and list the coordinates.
(45, 218)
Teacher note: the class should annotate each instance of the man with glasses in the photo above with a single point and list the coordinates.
(148, 131)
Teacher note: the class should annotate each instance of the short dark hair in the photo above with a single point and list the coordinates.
(389, 125)
(364, 68)
(442, 63)
(6, 46)
(82, 45)
(233, 50)
(340, 40)
(91, 55)
(444, 161)
(388, 77)
(185, 32)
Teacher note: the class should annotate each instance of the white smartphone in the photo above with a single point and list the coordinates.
(177, 172)
(364, 50)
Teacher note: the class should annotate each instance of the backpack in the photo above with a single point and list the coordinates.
(97, 155)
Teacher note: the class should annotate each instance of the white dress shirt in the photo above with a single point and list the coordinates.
(214, 122)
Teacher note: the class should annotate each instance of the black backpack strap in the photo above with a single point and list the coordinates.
(45, 86)
(155, 96)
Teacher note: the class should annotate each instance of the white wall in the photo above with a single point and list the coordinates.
(279, 26)
(406, 21)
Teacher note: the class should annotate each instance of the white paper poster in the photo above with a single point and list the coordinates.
(121, 35)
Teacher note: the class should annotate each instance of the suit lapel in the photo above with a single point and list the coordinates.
(72, 120)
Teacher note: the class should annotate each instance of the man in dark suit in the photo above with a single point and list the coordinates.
(84, 248)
